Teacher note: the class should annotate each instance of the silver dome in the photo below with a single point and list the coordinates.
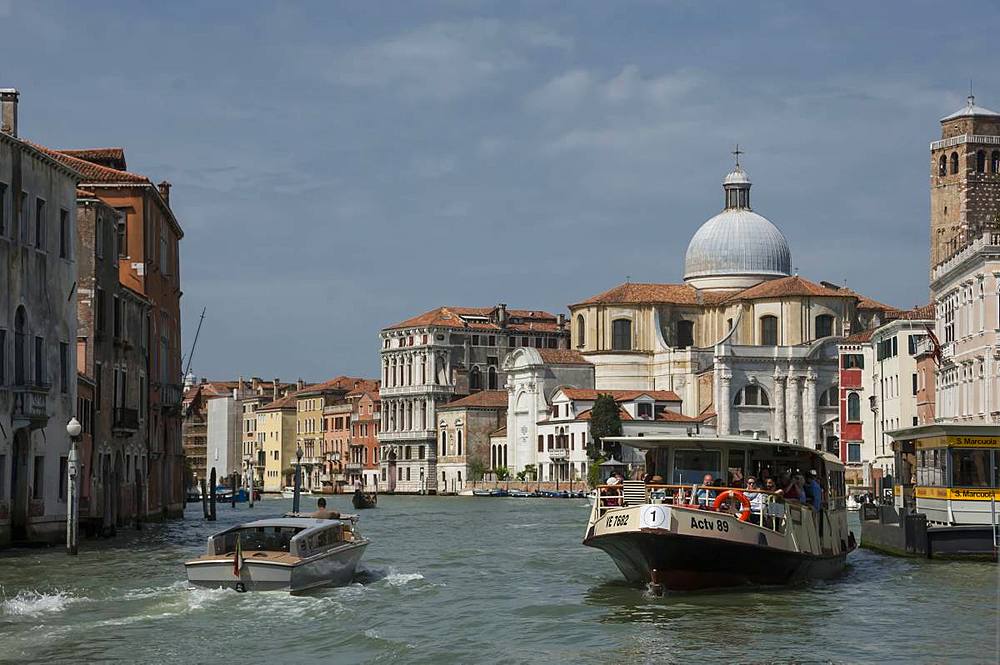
(737, 247)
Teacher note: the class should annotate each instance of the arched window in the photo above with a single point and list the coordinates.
(581, 330)
(491, 378)
(458, 441)
(685, 334)
(769, 330)
(752, 395)
(830, 396)
(824, 326)
(954, 163)
(943, 166)
(995, 161)
(621, 334)
(444, 443)
(475, 379)
(980, 161)
(505, 454)
(854, 408)
(19, 350)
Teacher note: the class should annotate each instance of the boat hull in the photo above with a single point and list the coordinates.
(335, 568)
(362, 500)
(686, 563)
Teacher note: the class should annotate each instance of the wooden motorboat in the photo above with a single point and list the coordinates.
(282, 554)
(685, 536)
(362, 500)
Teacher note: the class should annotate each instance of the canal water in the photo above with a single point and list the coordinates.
(475, 580)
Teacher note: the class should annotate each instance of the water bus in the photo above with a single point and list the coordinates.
(677, 533)
(280, 554)
(945, 492)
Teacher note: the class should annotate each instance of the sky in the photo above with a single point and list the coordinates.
(338, 167)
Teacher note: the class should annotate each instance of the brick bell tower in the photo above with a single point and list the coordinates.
(965, 179)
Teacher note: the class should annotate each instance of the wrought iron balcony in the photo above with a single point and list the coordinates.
(352, 466)
(125, 421)
(30, 406)
(171, 395)
(558, 454)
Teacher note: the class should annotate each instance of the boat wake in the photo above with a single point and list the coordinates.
(34, 603)
(390, 575)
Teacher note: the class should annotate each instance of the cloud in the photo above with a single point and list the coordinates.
(444, 61)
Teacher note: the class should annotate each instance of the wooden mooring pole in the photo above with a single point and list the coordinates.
(211, 497)
(204, 499)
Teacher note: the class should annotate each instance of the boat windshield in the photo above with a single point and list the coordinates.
(690, 466)
(262, 538)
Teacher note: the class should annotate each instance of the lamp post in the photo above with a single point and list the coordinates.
(335, 458)
(74, 429)
(248, 463)
(298, 479)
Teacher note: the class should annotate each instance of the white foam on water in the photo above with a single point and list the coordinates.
(396, 578)
(33, 603)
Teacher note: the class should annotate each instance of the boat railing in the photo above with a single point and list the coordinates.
(768, 511)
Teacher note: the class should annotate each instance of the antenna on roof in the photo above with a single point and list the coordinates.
(972, 97)
(737, 153)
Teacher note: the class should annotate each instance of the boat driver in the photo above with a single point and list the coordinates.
(322, 513)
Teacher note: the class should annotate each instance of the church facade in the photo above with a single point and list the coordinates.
(741, 338)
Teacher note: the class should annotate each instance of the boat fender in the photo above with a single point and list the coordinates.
(739, 496)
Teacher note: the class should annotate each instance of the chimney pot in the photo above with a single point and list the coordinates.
(164, 188)
(8, 111)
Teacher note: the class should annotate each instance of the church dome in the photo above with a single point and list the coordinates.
(737, 248)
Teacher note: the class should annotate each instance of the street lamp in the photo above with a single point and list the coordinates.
(248, 463)
(298, 479)
(74, 429)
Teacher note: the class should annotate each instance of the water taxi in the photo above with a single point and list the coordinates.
(680, 533)
(945, 491)
(281, 554)
(289, 492)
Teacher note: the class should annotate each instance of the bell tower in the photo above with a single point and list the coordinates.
(965, 179)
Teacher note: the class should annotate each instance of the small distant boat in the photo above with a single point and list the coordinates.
(481, 493)
(521, 494)
(289, 492)
(496, 491)
(193, 495)
(283, 554)
(362, 500)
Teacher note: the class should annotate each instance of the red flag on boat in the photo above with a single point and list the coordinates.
(238, 558)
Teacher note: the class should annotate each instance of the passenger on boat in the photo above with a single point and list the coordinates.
(794, 490)
(757, 500)
(705, 496)
(321, 513)
(769, 485)
(813, 492)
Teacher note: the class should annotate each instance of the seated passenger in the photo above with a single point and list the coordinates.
(322, 513)
(794, 489)
(704, 496)
(757, 499)
(813, 492)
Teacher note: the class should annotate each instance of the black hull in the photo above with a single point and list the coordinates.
(686, 563)
(362, 501)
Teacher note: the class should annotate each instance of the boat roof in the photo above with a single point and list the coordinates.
(289, 522)
(662, 441)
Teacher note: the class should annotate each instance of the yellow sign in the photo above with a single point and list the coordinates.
(959, 442)
(959, 493)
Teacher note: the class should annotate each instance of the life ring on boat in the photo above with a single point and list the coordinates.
(739, 496)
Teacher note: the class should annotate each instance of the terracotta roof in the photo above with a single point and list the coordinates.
(622, 414)
(864, 302)
(287, 402)
(91, 172)
(590, 394)
(859, 337)
(85, 194)
(924, 312)
(637, 293)
(790, 286)
(492, 399)
(453, 317)
(368, 387)
(113, 158)
(674, 417)
(341, 383)
(562, 357)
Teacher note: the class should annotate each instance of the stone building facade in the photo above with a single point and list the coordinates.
(438, 356)
(253, 394)
(742, 338)
(464, 428)
(38, 382)
(965, 180)
(276, 438)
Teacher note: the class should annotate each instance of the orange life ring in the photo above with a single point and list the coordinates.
(740, 496)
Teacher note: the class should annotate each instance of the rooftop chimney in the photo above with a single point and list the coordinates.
(502, 315)
(561, 321)
(274, 389)
(300, 384)
(164, 188)
(8, 111)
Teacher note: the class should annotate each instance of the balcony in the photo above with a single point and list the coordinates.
(352, 467)
(125, 421)
(558, 454)
(171, 395)
(30, 406)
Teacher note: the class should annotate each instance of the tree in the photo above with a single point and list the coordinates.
(477, 469)
(528, 473)
(605, 421)
(594, 472)
(502, 473)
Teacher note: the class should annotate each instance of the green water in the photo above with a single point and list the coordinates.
(476, 580)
